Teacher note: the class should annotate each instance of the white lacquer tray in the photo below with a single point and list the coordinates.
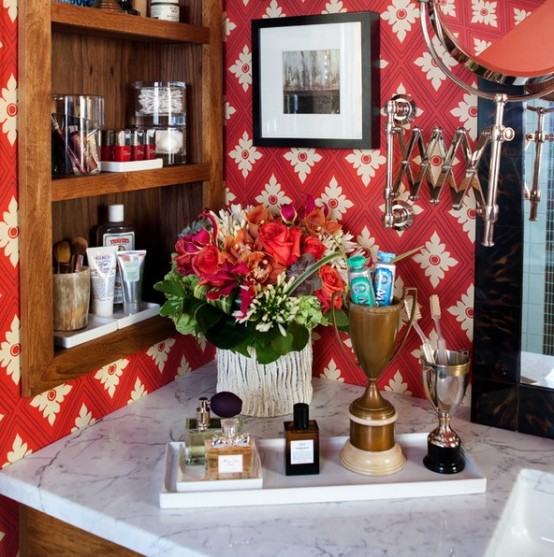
(333, 483)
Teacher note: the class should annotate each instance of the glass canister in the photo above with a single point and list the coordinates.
(162, 106)
(77, 122)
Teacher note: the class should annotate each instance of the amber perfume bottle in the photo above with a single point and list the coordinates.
(301, 443)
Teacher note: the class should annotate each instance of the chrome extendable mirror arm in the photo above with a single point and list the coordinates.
(539, 137)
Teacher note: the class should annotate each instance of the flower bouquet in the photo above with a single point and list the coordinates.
(255, 282)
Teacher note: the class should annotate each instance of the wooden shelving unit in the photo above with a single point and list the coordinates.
(70, 49)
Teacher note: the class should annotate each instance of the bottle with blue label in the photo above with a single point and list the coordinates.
(359, 277)
(383, 278)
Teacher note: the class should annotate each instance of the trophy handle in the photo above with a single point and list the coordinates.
(412, 316)
(334, 318)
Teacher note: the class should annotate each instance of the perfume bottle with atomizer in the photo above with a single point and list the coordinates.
(197, 430)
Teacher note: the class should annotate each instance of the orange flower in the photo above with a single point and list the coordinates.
(257, 217)
(331, 282)
(316, 220)
(280, 242)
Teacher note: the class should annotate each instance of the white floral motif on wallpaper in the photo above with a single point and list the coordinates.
(367, 241)
(11, 6)
(302, 161)
(480, 45)
(138, 391)
(435, 260)
(428, 66)
(84, 419)
(242, 68)
(109, 375)
(273, 11)
(401, 15)
(9, 233)
(335, 200)
(484, 12)
(19, 450)
(228, 26)
(49, 402)
(245, 155)
(448, 7)
(334, 7)
(398, 385)
(272, 196)
(366, 162)
(520, 15)
(466, 112)
(229, 111)
(8, 110)
(463, 312)
(466, 216)
(331, 371)
(10, 351)
(160, 351)
(184, 368)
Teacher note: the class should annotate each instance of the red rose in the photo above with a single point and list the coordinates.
(188, 246)
(331, 282)
(313, 245)
(206, 261)
(282, 243)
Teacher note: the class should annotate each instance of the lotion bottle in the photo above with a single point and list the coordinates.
(301, 443)
(117, 232)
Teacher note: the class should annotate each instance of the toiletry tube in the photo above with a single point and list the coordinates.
(102, 262)
(131, 266)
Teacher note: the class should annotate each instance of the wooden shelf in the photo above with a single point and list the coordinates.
(65, 48)
(75, 19)
(77, 187)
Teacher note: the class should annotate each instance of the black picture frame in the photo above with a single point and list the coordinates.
(315, 81)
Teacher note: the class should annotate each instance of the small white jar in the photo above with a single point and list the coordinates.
(167, 10)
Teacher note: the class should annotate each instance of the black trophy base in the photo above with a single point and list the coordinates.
(444, 460)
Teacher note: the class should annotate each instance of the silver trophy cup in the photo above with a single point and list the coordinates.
(445, 387)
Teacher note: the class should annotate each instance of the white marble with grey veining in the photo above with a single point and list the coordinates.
(106, 480)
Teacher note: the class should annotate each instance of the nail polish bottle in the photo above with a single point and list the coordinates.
(301, 443)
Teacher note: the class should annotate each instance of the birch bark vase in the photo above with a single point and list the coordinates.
(267, 390)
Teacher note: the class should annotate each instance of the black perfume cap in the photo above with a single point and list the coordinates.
(301, 412)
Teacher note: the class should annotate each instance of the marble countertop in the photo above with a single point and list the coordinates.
(106, 479)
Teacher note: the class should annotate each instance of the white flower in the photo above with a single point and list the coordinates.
(272, 196)
(242, 68)
(302, 160)
(484, 12)
(49, 401)
(435, 260)
(138, 391)
(401, 15)
(84, 419)
(9, 233)
(10, 351)
(160, 351)
(245, 154)
(366, 162)
(19, 451)
(8, 110)
(109, 375)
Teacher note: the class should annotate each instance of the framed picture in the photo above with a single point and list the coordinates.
(316, 81)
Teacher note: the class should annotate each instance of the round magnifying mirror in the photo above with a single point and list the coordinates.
(508, 41)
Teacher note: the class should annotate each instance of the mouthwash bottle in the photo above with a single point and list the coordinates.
(383, 278)
(359, 277)
(117, 232)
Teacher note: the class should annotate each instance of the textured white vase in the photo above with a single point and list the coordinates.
(267, 390)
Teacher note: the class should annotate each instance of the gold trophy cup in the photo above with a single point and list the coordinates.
(371, 448)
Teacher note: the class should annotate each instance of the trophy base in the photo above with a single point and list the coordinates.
(444, 460)
(372, 463)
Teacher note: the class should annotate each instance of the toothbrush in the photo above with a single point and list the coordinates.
(434, 302)
(426, 347)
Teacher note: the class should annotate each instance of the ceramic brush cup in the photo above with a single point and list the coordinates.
(445, 387)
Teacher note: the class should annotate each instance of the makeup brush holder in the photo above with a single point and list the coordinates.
(76, 123)
(162, 106)
(71, 293)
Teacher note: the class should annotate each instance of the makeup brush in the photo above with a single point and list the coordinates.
(435, 306)
(426, 347)
(62, 256)
(79, 247)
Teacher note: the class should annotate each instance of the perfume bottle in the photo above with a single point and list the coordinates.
(232, 454)
(301, 443)
(197, 430)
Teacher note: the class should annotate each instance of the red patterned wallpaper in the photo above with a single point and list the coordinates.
(350, 182)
